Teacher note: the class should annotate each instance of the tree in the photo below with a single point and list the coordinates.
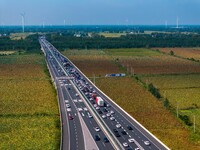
(171, 53)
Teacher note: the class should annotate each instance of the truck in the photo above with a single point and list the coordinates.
(99, 101)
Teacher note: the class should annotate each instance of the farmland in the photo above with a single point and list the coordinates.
(183, 52)
(133, 97)
(146, 61)
(93, 60)
(182, 91)
(111, 35)
(28, 110)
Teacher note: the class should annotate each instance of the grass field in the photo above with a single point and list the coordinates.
(146, 61)
(136, 100)
(183, 52)
(28, 106)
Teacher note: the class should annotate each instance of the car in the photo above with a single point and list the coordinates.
(97, 108)
(96, 138)
(137, 148)
(107, 105)
(112, 112)
(103, 116)
(95, 105)
(100, 112)
(147, 143)
(108, 114)
(97, 129)
(89, 115)
(70, 117)
(125, 144)
(115, 131)
(117, 134)
(105, 139)
(124, 132)
(85, 108)
(105, 110)
(129, 127)
(118, 125)
(68, 105)
(112, 118)
(131, 140)
(77, 94)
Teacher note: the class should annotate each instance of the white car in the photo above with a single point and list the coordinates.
(125, 144)
(108, 114)
(118, 125)
(89, 115)
(103, 116)
(112, 112)
(85, 109)
(112, 118)
(68, 105)
(147, 143)
(97, 129)
(95, 105)
(131, 140)
(137, 148)
(97, 108)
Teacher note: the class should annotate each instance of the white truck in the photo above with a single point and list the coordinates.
(99, 101)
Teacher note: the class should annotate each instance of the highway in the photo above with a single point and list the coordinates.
(75, 89)
(72, 130)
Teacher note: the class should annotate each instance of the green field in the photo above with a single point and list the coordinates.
(28, 105)
(140, 52)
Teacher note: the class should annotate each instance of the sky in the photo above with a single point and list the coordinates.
(100, 12)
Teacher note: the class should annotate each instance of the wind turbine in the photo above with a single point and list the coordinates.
(64, 22)
(177, 21)
(23, 21)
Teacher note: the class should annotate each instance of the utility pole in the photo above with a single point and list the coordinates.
(94, 79)
(177, 110)
(132, 71)
(194, 124)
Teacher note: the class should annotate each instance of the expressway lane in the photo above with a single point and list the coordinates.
(124, 130)
(90, 122)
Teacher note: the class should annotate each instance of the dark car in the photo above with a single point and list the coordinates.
(117, 134)
(115, 131)
(96, 138)
(105, 110)
(100, 112)
(124, 133)
(105, 139)
(129, 127)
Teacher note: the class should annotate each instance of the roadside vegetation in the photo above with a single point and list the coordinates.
(28, 105)
(136, 93)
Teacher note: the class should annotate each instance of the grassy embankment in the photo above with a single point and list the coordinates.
(29, 117)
